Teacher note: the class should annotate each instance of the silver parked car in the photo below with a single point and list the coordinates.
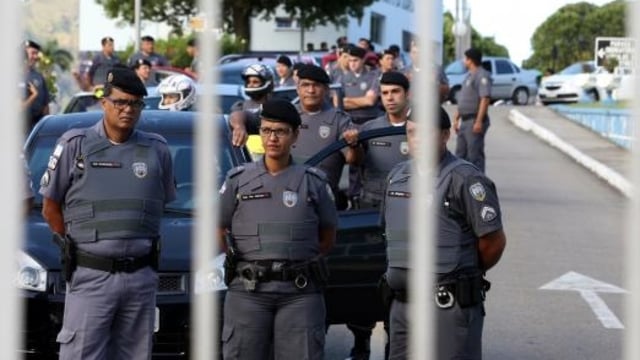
(509, 81)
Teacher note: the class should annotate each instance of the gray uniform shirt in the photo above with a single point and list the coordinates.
(471, 198)
(288, 81)
(474, 87)
(154, 58)
(318, 131)
(100, 64)
(381, 155)
(58, 178)
(357, 86)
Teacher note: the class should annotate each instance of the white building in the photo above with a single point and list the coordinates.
(385, 22)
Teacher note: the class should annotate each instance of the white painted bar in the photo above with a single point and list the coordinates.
(632, 248)
(422, 220)
(204, 333)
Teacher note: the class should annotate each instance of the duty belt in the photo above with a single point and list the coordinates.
(113, 265)
(466, 291)
(468, 117)
(273, 270)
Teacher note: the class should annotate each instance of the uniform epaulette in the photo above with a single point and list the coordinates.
(73, 133)
(236, 171)
(317, 172)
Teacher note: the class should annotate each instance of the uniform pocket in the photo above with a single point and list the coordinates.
(65, 336)
(230, 345)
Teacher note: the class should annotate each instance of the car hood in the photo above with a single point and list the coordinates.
(174, 256)
(559, 79)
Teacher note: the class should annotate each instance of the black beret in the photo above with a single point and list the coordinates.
(192, 42)
(126, 80)
(284, 60)
(474, 55)
(279, 110)
(395, 78)
(443, 120)
(315, 73)
(357, 52)
(298, 66)
(32, 44)
(147, 38)
(141, 62)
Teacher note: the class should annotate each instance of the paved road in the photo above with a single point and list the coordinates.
(559, 218)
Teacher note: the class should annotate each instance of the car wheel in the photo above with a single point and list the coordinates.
(453, 95)
(520, 96)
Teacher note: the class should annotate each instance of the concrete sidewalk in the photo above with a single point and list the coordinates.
(607, 160)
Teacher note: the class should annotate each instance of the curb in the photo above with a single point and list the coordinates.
(601, 170)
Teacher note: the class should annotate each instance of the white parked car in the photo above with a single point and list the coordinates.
(510, 83)
(574, 83)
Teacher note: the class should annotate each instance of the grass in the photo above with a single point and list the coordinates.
(624, 104)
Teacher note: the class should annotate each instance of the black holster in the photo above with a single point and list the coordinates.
(230, 265)
(386, 293)
(156, 246)
(319, 270)
(471, 289)
(67, 255)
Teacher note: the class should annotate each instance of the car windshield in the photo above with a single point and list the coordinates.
(455, 68)
(578, 68)
(181, 147)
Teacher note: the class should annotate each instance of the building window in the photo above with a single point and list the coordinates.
(286, 23)
(377, 28)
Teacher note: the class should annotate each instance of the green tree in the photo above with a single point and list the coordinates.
(53, 61)
(487, 45)
(569, 34)
(237, 14)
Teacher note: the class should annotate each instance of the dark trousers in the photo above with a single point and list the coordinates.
(469, 145)
(458, 332)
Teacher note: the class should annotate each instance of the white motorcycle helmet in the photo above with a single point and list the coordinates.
(263, 73)
(177, 93)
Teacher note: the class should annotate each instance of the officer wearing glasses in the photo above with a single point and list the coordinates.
(469, 241)
(104, 191)
(279, 219)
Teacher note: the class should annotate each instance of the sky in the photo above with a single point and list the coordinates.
(512, 22)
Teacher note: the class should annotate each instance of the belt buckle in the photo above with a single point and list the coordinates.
(123, 264)
(444, 298)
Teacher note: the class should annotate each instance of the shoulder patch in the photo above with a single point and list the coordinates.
(317, 172)
(235, 171)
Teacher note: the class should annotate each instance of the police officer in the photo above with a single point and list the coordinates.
(441, 78)
(102, 62)
(284, 71)
(39, 107)
(98, 180)
(473, 110)
(280, 218)
(142, 68)
(469, 240)
(360, 87)
(147, 52)
(382, 154)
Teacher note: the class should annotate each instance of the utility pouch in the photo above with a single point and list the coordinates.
(469, 290)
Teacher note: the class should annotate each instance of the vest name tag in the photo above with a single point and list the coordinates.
(106, 164)
(380, 143)
(401, 194)
(256, 196)
(304, 126)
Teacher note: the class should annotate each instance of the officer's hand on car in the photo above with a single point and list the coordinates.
(239, 134)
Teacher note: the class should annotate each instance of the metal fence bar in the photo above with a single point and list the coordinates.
(11, 185)
(632, 244)
(204, 333)
(422, 220)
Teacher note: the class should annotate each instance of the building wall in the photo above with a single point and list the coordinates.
(276, 35)
(395, 24)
